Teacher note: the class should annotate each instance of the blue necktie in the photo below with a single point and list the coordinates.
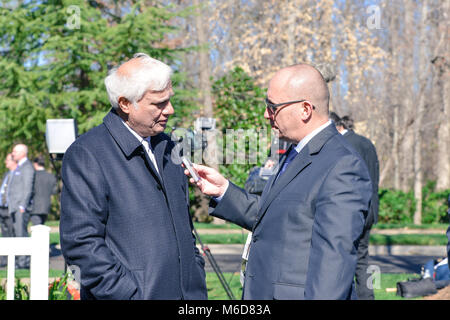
(288, 160)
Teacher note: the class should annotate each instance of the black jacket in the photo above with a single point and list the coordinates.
(368, 153)
(44, 186)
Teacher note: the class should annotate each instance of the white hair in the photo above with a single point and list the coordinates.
(151, 75)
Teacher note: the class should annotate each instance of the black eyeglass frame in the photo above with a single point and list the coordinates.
(273, 107)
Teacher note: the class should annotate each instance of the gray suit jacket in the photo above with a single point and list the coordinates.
(44, 186)
(20, 189)
(306, 225)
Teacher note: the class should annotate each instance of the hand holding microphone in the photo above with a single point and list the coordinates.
(208, 180)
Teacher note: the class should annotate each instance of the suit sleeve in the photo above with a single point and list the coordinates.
(373, 165)
(28, 183)
(340, 211)
(84, 213)
(237, 206)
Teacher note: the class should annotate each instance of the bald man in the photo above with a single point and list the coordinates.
(125, 219)
(20, 195)
(308, 219)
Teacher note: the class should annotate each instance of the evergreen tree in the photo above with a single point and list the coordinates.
(55, 54)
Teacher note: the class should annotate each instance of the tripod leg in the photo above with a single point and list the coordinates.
(215, 267)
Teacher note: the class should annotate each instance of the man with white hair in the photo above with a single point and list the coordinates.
(20, 194)
(125, 218)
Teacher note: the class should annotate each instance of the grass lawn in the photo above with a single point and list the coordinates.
(375, 239)
(227, 225)
(217, 292)
(380, 226)
(25, 273)
(409, 239)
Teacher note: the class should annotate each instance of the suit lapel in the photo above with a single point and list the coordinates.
(300, 162)
(131, 146)
(159, 148)
(272, 179)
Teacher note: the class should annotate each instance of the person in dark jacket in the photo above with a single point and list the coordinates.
(368, 153)
(6, 222)
(125, 219)
(44, 186)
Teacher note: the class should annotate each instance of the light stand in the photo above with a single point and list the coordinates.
(215, 266)
(59, 135)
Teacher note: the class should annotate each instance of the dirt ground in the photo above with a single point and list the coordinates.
(443, 294)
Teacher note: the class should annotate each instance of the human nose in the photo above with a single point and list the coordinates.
(267, 115)
(168, 110)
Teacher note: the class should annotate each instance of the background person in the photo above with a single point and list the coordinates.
(6, 223)
(368, 153)
(311, 213)
(20, 195)
(125, 220)
(45, 185)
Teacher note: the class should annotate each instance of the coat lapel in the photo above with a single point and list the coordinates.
(300, 162)
(159, 149)
(131, 146)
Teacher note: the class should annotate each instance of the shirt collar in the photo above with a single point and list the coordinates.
(311, 135)
(21, 161)
(134, 132)
(344, 131)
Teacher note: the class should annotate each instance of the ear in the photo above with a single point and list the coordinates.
(306, 110)
(125, 104)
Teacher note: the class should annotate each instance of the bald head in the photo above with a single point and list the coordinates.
(303, 81)
(19, 152)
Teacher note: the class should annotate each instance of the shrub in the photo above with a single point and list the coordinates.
(398, 207)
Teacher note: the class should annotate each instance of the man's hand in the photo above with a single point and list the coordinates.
(212, 183)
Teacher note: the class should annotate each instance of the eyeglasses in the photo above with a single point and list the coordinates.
(273, 107)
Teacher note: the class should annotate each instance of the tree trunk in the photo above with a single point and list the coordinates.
(420, 109)
(210, 153)
(395, 150)
(441, 62)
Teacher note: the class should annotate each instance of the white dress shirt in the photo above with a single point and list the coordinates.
(145, 144)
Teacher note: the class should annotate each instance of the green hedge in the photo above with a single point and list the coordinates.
(398, 207)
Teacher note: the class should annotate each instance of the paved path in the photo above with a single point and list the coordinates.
(387, 264)
(406, 259)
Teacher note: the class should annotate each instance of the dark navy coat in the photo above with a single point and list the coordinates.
(128, 230)
(306, 224)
